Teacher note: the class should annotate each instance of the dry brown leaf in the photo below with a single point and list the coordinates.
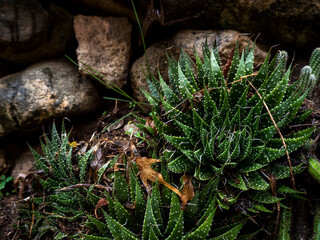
(146, 173)
(101, 203)
(150, 123)
(187, 192)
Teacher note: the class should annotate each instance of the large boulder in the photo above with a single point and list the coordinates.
(190, 41)
(105, 46)
(44, 91)
(30, 32)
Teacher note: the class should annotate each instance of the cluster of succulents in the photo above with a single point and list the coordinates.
(229, 124)
(224, 145)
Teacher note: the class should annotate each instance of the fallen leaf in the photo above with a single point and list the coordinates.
(101, 203)
(150, 123)
(146, 172)
(187, 192)
(115, 126)
(131, 129)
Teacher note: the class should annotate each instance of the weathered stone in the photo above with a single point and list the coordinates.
(30, 33)
(105, 46)
(118, 8)
(189, 41)
(281, 21)
(43, 91)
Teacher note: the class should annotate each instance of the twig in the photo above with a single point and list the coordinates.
(302, 125)
(250, 75)
(282, 138)
(32, 221)
(86, 185)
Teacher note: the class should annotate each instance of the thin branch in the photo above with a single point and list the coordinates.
(85, 185)
(281, 136)
(32, 221)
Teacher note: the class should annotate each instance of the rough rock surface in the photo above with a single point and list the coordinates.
(110, 7)
(105, 46)
(43, 91)
(281, 21)
(189, 41)
(30, 33)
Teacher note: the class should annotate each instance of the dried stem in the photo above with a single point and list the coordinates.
(32, 221)
(86, 185)
(281, 136)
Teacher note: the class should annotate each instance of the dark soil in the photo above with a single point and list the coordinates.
(9, 218)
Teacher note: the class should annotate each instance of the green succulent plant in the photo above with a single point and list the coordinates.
(159, 215)
(56, 171)
(225, 124)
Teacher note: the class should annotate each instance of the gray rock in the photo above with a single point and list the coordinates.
(44, 91)
(30, 33)
(105, 46)
(188, 40)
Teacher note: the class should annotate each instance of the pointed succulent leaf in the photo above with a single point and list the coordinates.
(91, 237)
(208, 190)
(174, 213)
(256, 181)
(177, 232)
(121, 188)
(174, 113)
(203, 230)
(238, 87)
(315, 63)
(231, 234)
(117, 230)
(140, 205)
(152, 235)
(173, 74)
(170, 96)
(198, 121)
(181, 143)
(185, 87)
(181, 164)
(239, 183)
(234, 64)
(316, 224)
(249, 59)
(215, 69)
(102, 170)
(276, 95)
(124, 218)
(202, 173)
(209, 210)
(83, 164)
(264, 197)
(111, 206)
(189, 132)
(149, 221)
(156, 205)
(40, 162)
(103, 228)
(261, 207)
(285, 224)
